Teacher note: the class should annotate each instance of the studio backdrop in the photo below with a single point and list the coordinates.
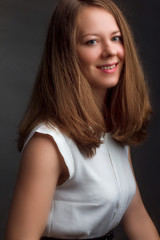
(23, 27)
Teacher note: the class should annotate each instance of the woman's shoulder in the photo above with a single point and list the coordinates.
(46, 133)
(40, 145)
(47, 128)
(44, 129)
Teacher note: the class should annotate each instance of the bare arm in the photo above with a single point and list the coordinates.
(38, 175)
(136, 221)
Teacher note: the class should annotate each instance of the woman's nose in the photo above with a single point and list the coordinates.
(109, 50)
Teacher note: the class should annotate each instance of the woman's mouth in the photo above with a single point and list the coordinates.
(108, 68)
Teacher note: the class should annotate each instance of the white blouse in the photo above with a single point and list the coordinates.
(97, 193)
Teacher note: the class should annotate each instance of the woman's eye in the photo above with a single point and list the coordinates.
(91, 42)
(116, 38)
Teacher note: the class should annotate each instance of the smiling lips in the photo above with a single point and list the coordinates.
(108, 68)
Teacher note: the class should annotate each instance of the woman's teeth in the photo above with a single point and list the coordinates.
(109, 67)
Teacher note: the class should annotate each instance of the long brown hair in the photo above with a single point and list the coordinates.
(62, 96)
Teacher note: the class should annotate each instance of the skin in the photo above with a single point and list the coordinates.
(40, 172)
(99, 44)
(42, 167)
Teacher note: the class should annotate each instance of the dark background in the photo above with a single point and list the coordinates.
(23, 26)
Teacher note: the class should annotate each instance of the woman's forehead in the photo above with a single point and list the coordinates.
(92, 19)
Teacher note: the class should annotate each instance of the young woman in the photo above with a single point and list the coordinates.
(89, 103)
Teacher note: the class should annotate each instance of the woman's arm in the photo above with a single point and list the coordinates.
(39, 171)
(136, 222)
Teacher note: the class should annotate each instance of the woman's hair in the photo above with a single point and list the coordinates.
(62, 97)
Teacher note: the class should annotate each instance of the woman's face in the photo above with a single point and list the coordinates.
(100, 48)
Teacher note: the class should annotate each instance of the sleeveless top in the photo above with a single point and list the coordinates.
(93, 200)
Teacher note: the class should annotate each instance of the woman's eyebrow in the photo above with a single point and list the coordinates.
(89, 34)
(96, 34)
(117, 31)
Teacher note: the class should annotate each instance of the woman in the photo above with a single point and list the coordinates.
(89, 102)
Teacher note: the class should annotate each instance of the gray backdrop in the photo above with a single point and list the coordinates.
(23, 26)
